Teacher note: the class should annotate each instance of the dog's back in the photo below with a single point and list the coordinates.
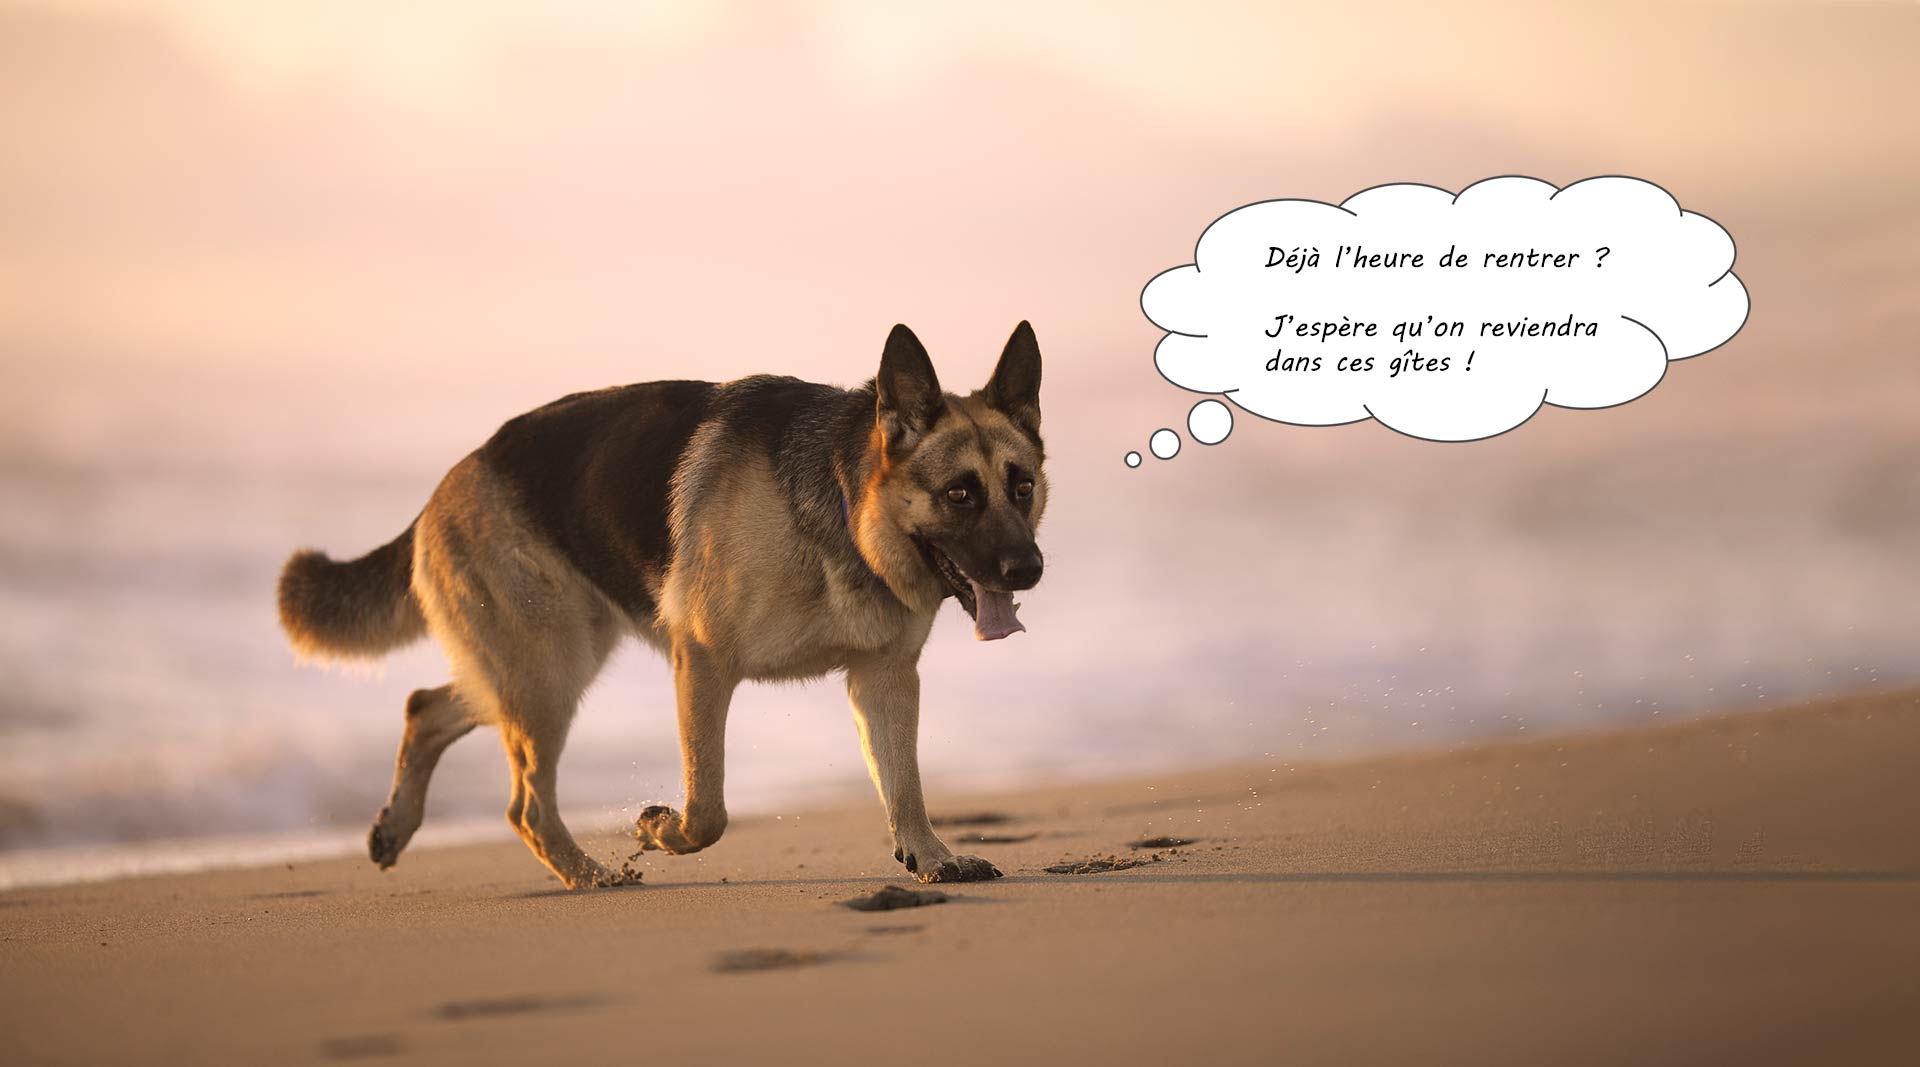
(591, 472)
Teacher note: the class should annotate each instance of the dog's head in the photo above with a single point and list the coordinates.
(961, 477)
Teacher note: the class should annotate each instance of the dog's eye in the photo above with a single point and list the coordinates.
(958, 494)
(1023, 488)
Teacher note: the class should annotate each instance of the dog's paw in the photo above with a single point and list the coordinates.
(383, 845)
(956, 869)
(587, 875)
(659, 829)
(592, 875)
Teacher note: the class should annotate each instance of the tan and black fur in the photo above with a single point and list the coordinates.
(761, 529)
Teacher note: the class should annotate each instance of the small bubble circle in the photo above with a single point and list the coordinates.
(1133, 459)
(1165, 444)
(1210, 422)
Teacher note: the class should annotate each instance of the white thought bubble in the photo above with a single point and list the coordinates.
(1209, 422)
(1449, 317)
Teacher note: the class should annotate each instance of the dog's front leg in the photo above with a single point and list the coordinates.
(886, 705)
(703, 689)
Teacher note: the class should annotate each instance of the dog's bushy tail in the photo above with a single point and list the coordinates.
(357, 609)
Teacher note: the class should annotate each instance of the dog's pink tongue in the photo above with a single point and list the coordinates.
(993, 616)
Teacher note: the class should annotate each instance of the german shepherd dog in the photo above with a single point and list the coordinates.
(761, 529)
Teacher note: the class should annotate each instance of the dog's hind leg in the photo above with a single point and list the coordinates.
(703, 690)
(531, 687)
(534, 737)
(436, 718)
(525, 633)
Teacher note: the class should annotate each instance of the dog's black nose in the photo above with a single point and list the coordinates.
(1021, 569)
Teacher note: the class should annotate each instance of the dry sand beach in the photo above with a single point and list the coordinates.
(1740, 889)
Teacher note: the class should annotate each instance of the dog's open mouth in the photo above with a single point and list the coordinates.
(993, 610)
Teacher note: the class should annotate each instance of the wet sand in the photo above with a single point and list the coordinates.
(1744, 889)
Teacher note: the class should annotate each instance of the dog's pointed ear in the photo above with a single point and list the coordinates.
(1015, 386)
(909, 397)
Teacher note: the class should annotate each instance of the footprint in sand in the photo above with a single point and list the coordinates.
(1164, 842)
(994, 839)
(462, 1010)
(362, 1047)
(766, 959)
(893, 896)
(1099, 865)
(978, 818)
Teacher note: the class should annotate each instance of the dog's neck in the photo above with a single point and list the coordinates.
(888, 552)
